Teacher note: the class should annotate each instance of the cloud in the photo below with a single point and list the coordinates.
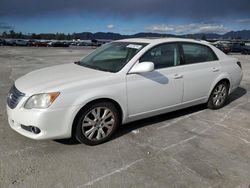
(244, 21)
(207, 28)
(189, 28)
(5, 26)
(110, 26)
(164, 9)
(160, 28)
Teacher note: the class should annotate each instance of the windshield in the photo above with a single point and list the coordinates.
(112, 57)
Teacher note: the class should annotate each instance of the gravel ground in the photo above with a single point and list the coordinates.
(194, 147)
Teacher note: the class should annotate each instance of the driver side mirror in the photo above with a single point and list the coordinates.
(142, 67)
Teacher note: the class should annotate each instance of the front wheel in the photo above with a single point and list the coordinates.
(218, 96)
(97, 123)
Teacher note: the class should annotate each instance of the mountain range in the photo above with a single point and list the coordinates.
(244, 34)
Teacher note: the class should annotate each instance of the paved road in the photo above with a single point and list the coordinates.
(194, 147)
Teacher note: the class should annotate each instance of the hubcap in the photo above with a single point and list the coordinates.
(219, 94)
(98, 123)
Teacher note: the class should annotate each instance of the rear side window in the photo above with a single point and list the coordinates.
(196, 53)
(164, 55)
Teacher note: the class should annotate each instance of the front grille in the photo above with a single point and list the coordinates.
(14, 97)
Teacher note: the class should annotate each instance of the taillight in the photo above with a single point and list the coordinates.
(238, 63)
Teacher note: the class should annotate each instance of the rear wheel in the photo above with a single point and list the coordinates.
(218, 96)
(97, 123)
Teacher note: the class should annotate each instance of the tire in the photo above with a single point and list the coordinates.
(93, 127)
(245, 52)
(218, 96)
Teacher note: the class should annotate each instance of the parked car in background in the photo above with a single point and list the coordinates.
(240, 47)
(223, 47)
(96, 43)
(74, 43)
(10, 42)
(21, 42)
(89, 99)
(59, 44)
(30, 42)
(40, 43)
(84, 44)
(2, 42)
(246, 49)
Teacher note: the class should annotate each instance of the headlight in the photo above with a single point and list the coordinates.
(43, 100)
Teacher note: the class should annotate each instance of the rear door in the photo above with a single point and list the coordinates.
(201, 67)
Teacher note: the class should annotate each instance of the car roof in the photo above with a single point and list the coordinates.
(162, 40)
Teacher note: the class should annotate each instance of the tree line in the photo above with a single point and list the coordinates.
(46, 36)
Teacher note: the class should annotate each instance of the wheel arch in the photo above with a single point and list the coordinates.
(218, 80)
(77, 116)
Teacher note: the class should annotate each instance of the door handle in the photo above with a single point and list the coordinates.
(178, 76)
(215, 69)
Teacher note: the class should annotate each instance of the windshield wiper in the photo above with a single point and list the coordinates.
(92, 67)
(102, 69)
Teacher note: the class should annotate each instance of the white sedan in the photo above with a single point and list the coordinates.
(120, 82)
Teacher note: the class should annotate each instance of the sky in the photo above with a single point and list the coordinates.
(124, 16)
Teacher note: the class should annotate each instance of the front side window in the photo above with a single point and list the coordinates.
(196, 53)
(165, 55)
(112, 57)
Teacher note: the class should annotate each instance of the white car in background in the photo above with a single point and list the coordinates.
(21, 42)
(120, 82)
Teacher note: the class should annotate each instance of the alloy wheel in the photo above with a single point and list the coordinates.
(98, 123)
(219, 94)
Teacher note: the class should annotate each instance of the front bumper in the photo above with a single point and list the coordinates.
(53, 123)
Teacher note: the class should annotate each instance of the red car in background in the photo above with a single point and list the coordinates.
(40, 44)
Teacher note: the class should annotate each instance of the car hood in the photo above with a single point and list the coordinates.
(52, 78)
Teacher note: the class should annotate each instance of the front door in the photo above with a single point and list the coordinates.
(157, 90)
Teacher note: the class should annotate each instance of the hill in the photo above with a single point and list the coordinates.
(244, 34)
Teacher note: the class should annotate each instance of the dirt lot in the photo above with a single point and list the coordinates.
(194, 147)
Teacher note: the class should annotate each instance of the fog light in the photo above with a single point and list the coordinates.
(32, 129)
(35, 130)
